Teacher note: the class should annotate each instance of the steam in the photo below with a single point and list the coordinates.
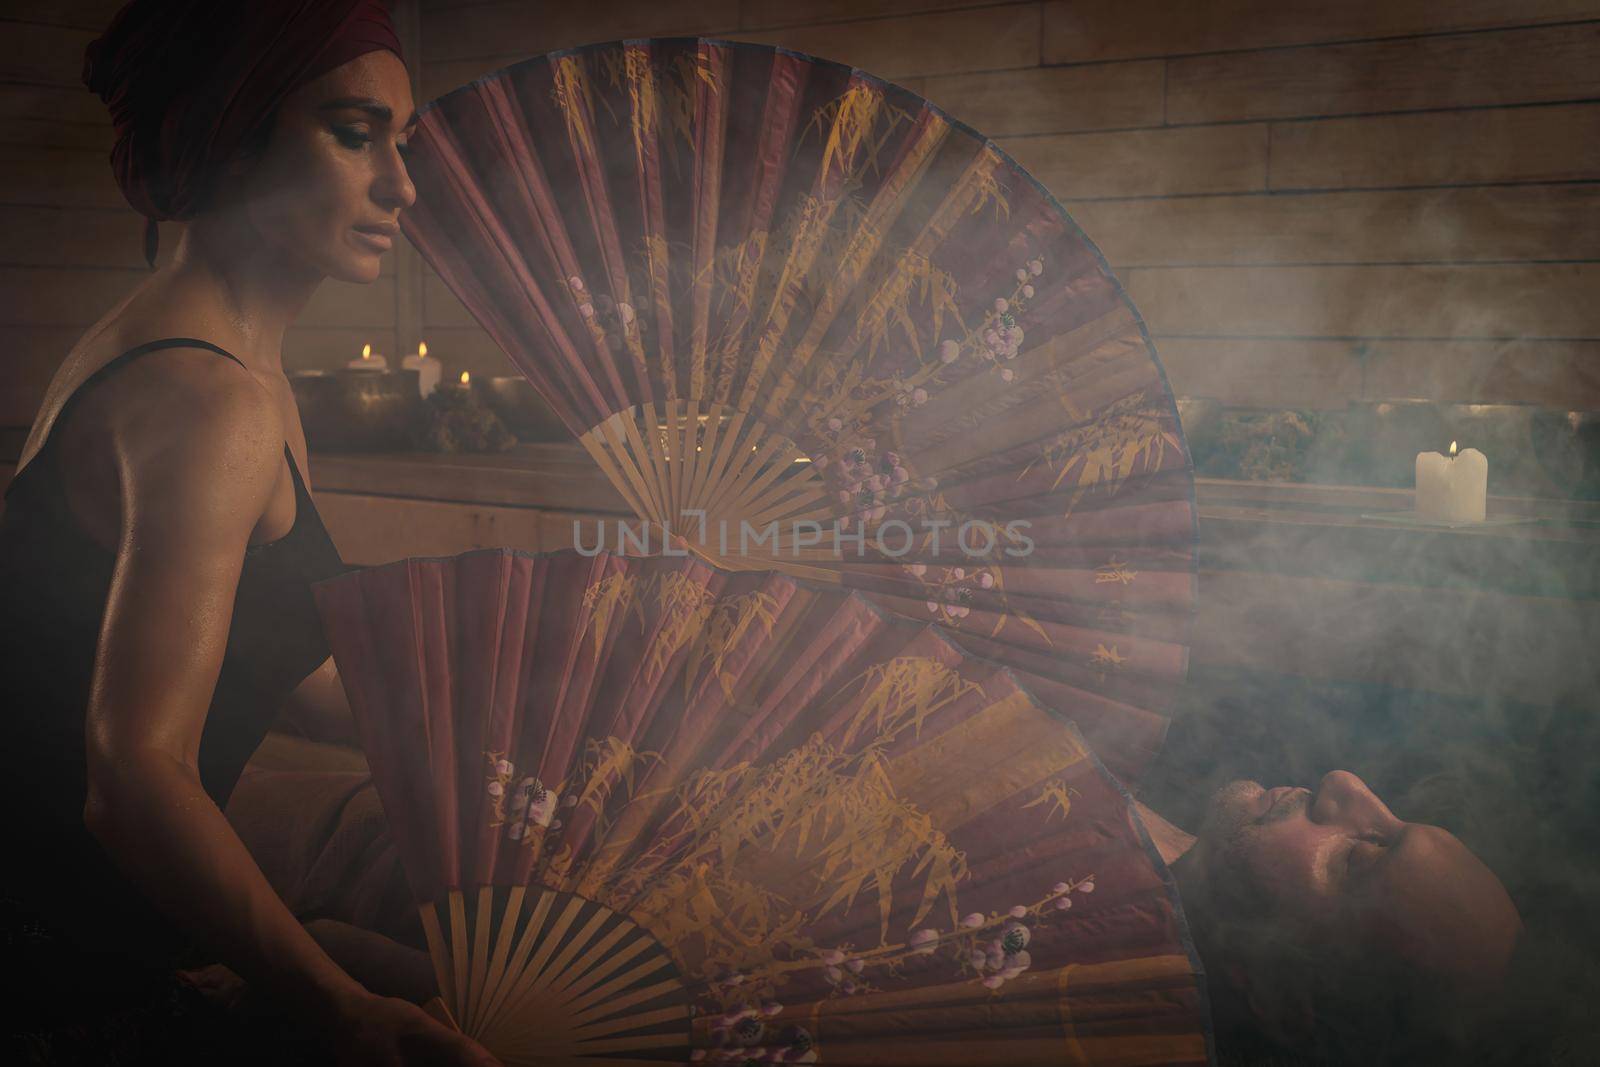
(1477, 709)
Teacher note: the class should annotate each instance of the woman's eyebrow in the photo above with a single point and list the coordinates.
(376, 108)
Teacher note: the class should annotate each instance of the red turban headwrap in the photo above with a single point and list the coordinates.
(188, 82)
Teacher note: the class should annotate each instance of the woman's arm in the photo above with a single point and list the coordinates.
(197, 468)
(318, 709)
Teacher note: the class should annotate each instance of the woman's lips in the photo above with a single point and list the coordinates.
(380, 241)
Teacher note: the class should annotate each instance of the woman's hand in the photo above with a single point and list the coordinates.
(389, 1032)
(383, 966)
(366, 1029)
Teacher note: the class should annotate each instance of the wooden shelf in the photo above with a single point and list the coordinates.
(555, 477)
(1293, 581)
(1286, 528)
(1271, 527)
(1319, 531)
(561, 475)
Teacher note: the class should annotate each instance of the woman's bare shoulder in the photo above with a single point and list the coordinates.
(198, 453)
(154, 381)
(186, 395)
(141, 393)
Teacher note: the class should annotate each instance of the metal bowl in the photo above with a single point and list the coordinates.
(1201, 417)
(357, 411)
(518, 404)
(1566, 445)
(1384, 436)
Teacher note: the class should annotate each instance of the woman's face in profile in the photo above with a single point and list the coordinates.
(333, 176)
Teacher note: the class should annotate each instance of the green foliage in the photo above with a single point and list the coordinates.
(1279, 446)
(453, 419)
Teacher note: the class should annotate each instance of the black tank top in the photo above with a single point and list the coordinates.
(54, 579)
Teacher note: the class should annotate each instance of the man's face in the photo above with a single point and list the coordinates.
(1337, 863)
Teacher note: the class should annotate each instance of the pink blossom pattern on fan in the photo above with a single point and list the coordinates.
(760, 286)
(870, 481)
(530, 803)
(992, 948)
(840, 819)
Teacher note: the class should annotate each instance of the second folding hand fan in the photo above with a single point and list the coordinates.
(806, 321)
(654, 812)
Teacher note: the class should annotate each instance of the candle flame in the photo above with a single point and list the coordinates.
(1452, 449)
(465, 377)
(366, 351)
(422, 348)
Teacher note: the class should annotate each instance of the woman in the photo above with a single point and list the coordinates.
(159, 541)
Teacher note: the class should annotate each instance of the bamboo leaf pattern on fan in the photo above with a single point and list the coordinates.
(851, 126)
(606, 600)
(693, 619)
(1114, 571)
(729, 624)
(608, 763)
(765, 288)
(1129, 437)
(902, 693)
(826, 814)
(1058, 796)
(685, 605)
(660, 95)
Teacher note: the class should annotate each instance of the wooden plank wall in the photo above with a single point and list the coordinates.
(1309, 202)
(71, 247)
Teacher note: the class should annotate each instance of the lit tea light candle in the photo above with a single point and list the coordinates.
(465, 378)
(1453, 488)
(429, 369)
(368, 361)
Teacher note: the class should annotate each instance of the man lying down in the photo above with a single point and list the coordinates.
(1325, 924)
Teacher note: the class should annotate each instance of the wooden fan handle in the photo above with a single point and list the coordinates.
(441, 1013)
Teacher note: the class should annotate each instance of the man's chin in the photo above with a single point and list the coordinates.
(1228, 808)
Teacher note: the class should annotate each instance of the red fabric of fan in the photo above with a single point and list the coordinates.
(786, 305)
(658, 812)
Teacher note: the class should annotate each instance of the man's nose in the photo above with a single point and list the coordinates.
(1344, 799)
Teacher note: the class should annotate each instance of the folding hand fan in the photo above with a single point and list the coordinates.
(658, 812)
(806, 321)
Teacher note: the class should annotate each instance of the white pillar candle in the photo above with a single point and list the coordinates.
(429, 370)
(1453, 488)
(368, 361)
